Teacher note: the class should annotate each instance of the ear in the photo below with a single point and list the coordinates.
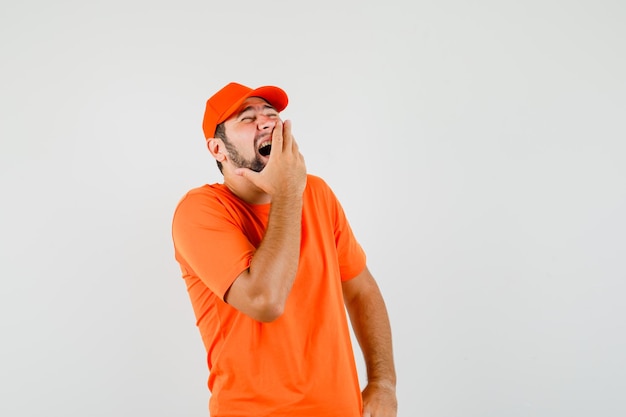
(217, 148)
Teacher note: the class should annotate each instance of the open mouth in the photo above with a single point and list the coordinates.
(265, 148)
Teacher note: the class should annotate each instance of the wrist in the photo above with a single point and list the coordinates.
(385, 384)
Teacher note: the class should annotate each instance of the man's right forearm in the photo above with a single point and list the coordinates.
(275, 264)
(261, 291)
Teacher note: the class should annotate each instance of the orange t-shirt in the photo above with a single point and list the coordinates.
(301, 364)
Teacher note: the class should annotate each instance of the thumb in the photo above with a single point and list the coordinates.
(244, 172)
(247, 173)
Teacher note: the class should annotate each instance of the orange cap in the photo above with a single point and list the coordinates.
(226, 101)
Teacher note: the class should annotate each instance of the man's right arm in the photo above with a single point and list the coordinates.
(261, 291)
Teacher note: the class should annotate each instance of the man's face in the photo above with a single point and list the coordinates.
(249, 134)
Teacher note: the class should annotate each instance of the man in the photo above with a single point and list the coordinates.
(271, 266)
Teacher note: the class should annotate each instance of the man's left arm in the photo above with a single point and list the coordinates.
(370, 321)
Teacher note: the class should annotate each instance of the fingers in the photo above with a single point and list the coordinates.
(289, 142)
(277, 137)
(282, 138)
(288, 134)
(288, 138)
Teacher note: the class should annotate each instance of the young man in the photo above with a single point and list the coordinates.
(271, 265)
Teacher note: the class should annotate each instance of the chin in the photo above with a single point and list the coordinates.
(258, 168)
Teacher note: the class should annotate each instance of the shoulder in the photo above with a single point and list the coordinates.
(202, 198)
(319, 187)
(317, 183)
(207, 191)
(195, 195)
(319, 194)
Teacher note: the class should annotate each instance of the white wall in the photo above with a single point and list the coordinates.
(478, 148)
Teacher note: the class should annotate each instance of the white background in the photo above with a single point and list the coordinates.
(478, 149)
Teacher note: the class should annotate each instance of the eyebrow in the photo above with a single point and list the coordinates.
(265, 107)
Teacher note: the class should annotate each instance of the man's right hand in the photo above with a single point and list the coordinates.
(261, 291)
(284, 176)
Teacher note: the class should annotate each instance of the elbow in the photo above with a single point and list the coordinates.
(262, 306)
(270, 312)
(267, 311)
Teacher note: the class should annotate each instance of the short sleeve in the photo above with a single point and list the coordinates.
(209, 241)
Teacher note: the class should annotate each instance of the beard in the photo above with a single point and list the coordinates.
(257, 163)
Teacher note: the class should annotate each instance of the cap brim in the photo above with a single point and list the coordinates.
(275, 96)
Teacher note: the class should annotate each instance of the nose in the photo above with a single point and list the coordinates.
(266, 122)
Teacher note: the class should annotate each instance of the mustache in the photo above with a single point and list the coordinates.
(261, 137)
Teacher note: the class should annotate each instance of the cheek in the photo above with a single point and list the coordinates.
(244, 136)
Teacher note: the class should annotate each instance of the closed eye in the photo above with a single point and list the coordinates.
(250, 115)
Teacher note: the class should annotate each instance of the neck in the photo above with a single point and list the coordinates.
(245, 190)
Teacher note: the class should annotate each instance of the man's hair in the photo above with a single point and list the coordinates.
(220, 132)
